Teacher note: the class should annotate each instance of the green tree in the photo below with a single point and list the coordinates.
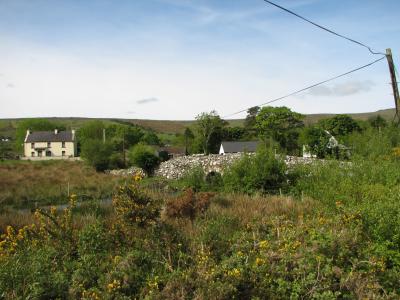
(260, 172)
(33, 125)
(188, 136)
(280, 124)
(233, 133)
(250, 120)
(209, 131)
(340, 125)
(121, 133)
(97, 153)
(316, 139)
(144, 157)
(92, 130)
(377, 122)
(150, 138)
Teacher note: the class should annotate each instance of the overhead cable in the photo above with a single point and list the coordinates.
(309, 87)
(324, 28)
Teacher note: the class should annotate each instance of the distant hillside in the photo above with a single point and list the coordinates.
(388, 114)
(8, 126)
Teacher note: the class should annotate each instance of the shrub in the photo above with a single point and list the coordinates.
(116, 161)
(134, 207)
(194, 179)
(262, 172)
(97, 154)
(144, 157)
(188, 205)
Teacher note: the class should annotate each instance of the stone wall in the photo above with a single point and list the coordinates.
(177, 167)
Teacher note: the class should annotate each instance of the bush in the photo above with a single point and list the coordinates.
(194, 179)
(134, 207)
(188, 205)
(97, 154)
(116, 161)
(262, 172)
(144, 157)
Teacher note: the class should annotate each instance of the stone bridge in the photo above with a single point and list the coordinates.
(177, 167)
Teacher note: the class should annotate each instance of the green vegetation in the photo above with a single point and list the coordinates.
(143, 156)
(260, 230)
(25, 184)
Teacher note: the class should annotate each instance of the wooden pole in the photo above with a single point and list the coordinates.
(394, 82)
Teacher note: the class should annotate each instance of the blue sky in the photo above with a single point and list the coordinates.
(172, 59)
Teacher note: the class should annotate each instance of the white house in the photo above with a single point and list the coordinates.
(237, 147)
(50, 144)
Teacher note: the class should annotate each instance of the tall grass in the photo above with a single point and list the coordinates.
(27, 184)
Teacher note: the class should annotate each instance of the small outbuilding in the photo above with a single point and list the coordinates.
(238, 147)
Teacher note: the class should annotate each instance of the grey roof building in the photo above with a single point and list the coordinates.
(50, 136)
(50, 144)
(237, 147)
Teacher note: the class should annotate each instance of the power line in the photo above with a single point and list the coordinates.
(309, 87)
(324, 28)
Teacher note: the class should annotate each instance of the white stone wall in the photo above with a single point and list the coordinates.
(177, 167)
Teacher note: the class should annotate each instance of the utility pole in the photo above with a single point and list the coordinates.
(394, 83)
(104, 135)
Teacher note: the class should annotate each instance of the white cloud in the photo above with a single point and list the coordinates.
(342, 89)
(147, 100)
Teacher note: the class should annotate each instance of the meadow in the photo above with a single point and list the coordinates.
(261, 230)
(26, 184)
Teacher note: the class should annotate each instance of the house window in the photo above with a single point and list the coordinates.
(48, 145)
(32, 154)
(63, 153)
(32, 145)
(63, 144)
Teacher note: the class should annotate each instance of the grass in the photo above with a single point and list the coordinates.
(24, 184)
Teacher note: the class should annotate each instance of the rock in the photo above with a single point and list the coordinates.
(132, 171)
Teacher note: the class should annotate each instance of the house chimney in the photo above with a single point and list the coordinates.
(28, 132)
(55, 131)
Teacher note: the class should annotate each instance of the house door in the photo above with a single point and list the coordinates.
(39, 153)
(48, 153)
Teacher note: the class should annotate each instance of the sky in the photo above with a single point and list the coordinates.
(173, 59)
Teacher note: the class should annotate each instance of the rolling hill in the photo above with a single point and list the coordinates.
(8, 126)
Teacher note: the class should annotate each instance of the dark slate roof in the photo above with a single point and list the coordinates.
(233, 147)
(50, 136)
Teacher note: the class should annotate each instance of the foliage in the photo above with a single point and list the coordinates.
(25, 184)
(378, 122)
(197, 180)
(134, 207)
(144, 157)
(188, 205)
(97, 154)
(92, 130)
(336, 236)
(316, 139)
(188, 136)
(151, 138)
(33, 125)
(281, 125)
(261, 172)
(209, 131)
(233, 133)
(340, 125)
(250, 120)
